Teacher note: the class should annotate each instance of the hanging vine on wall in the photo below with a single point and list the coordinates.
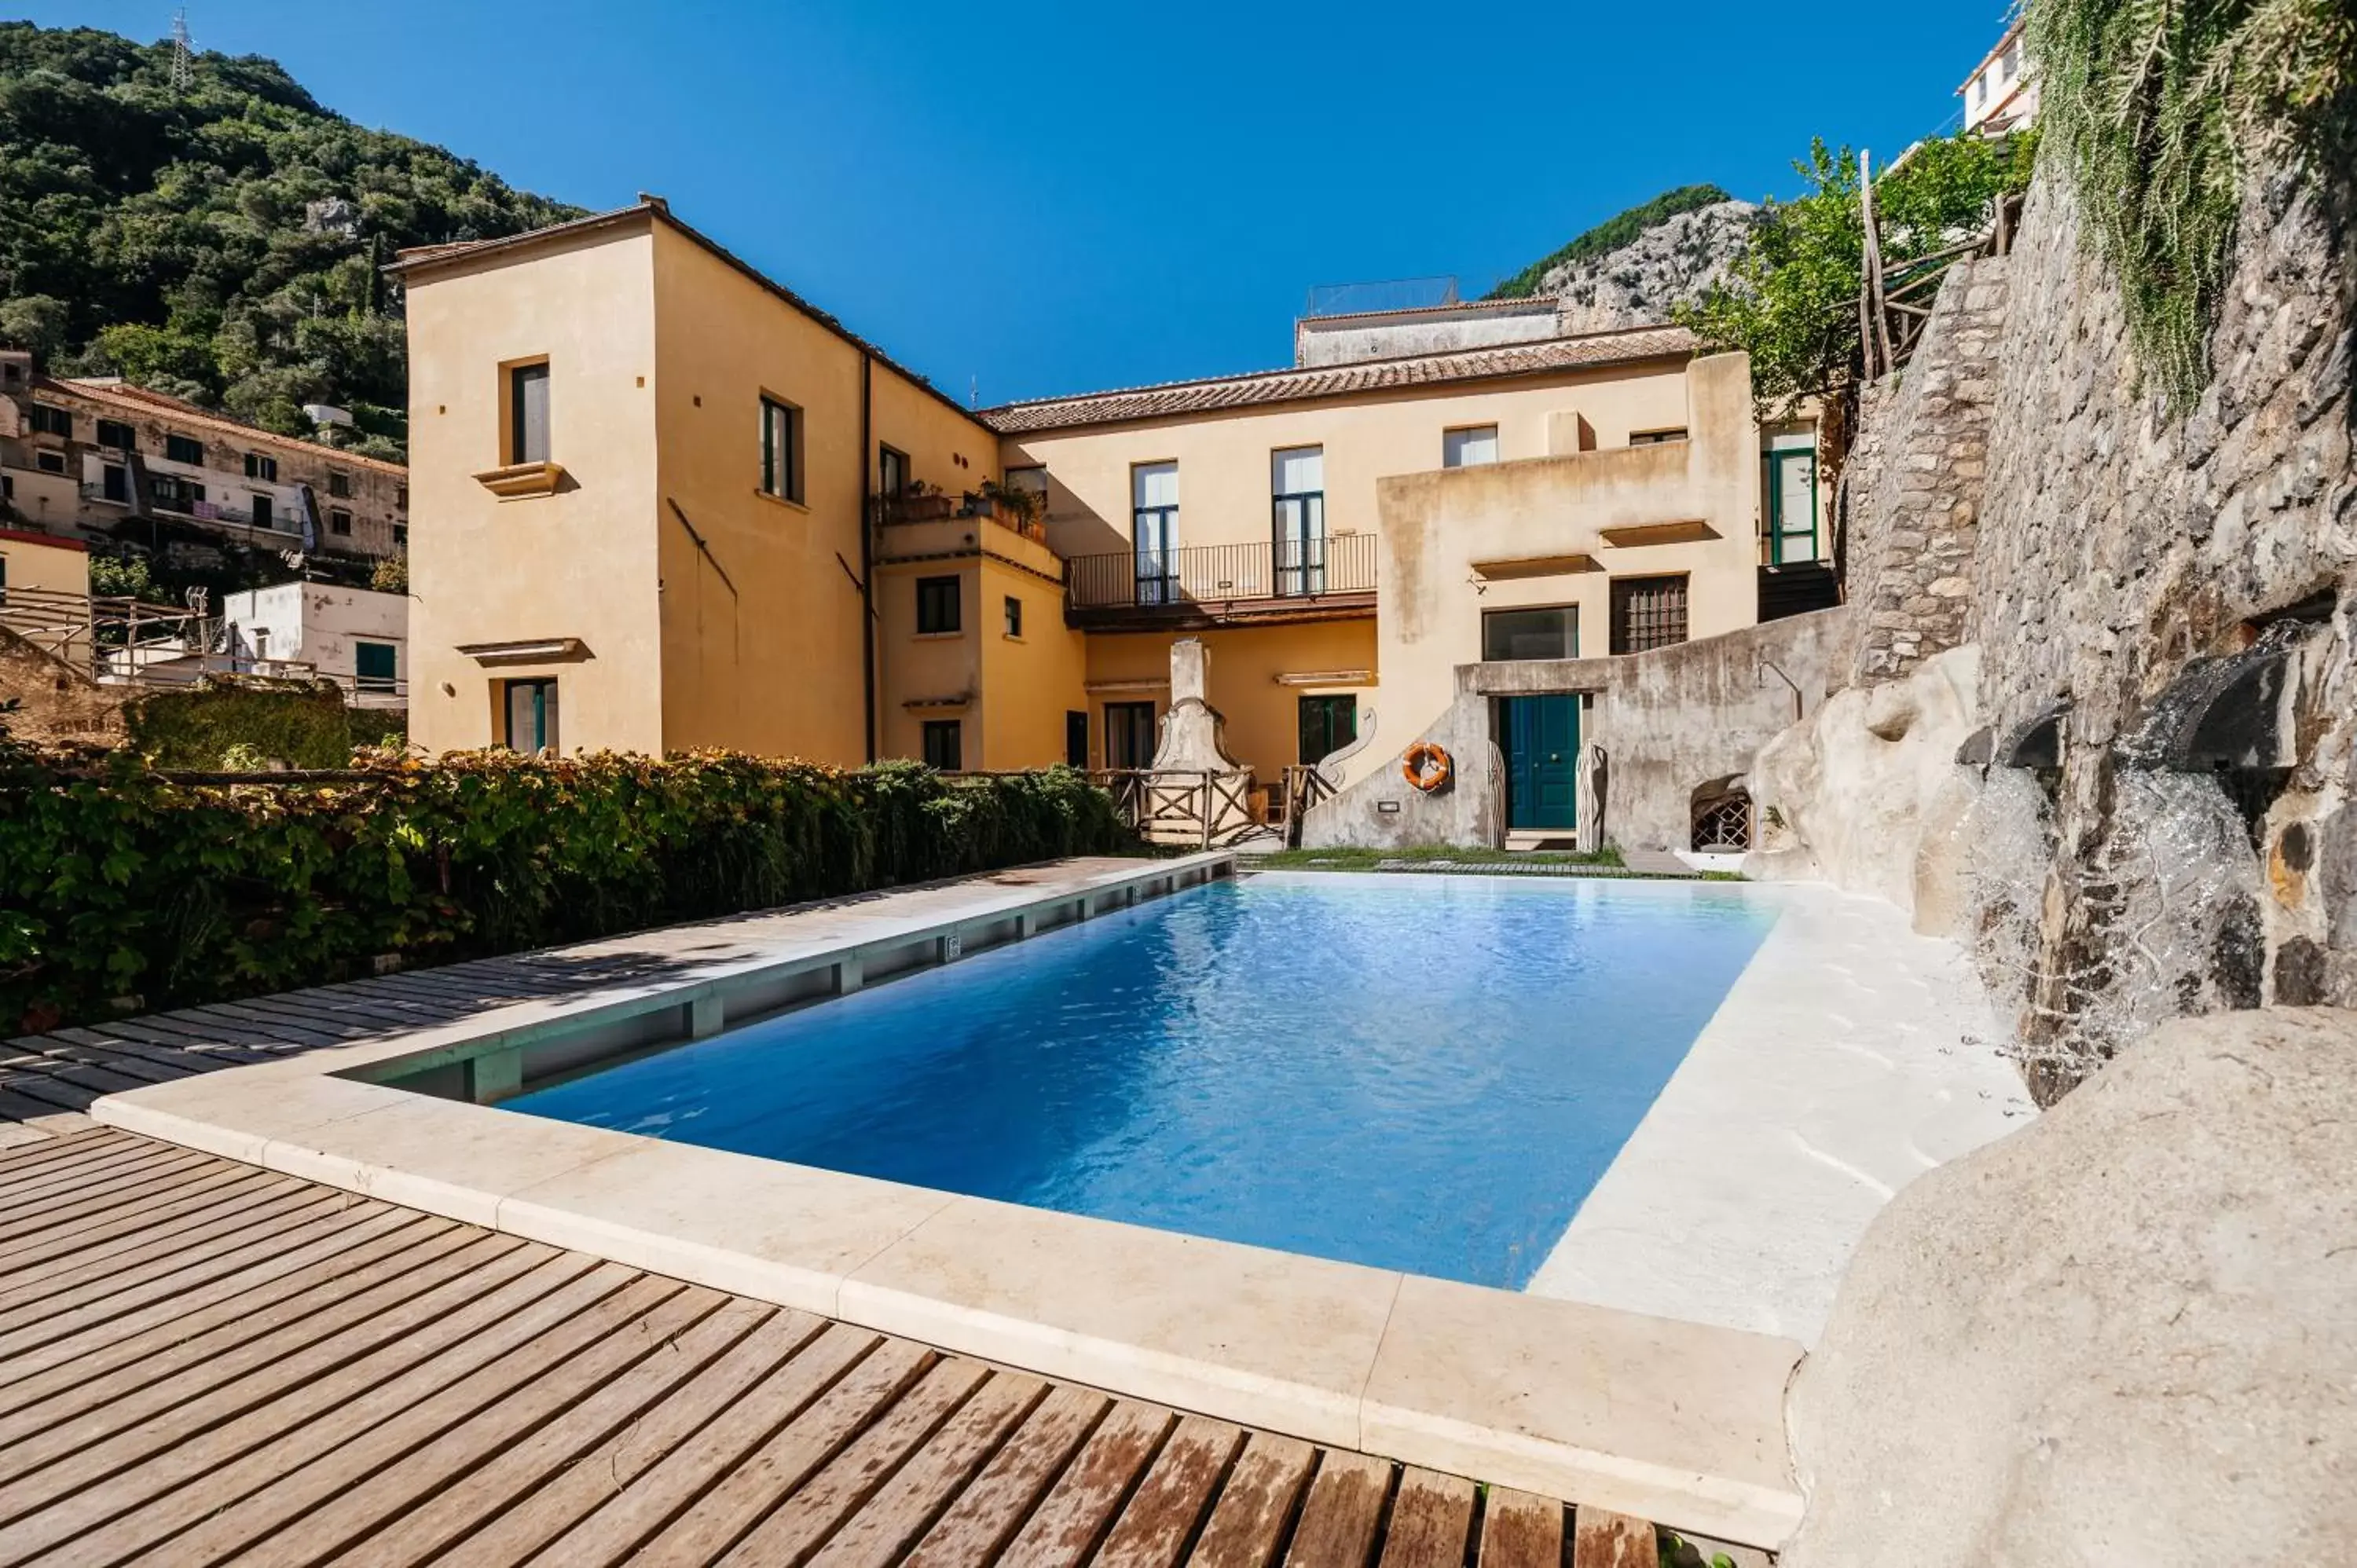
(2156, 109)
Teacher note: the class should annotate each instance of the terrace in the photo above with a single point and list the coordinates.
(1223, 584)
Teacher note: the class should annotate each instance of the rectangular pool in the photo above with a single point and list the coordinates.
(1423, 1073)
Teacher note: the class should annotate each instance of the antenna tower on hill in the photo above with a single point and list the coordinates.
(182, 71)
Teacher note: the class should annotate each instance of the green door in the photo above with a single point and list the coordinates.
(1541, 736)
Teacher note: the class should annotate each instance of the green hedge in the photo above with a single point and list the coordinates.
(120, 890)
(204, 728)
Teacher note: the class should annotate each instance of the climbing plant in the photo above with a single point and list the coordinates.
(2158, 109)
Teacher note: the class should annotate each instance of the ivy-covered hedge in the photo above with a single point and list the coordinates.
(119, 889)
(215, 725)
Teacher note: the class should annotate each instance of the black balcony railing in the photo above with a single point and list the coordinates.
(1201, 576)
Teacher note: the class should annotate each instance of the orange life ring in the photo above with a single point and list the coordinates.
(1413, 763)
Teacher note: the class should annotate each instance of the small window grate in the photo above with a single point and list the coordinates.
(1647, 613)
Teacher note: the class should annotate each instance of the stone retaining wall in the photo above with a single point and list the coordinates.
(1914, 480)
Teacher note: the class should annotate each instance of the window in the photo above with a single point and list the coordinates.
(945, 745)
(1076, 739)
(1654, 438)
(1470, 448)
(261, 642)
(259, 466)
(261, 511)
(339, 485)
(55, 463)
(400, 497)
(373, 664)
(184, 449)
(340, 521)
(530, 715)
(12, 372)
(47, 420)
(7, 486)
(1788, 513)
(1327, 725)
(400, 533)
(1154, 531)
(1980, 89)
(1549, 633)
(891, 472)
(115, 483)
(780, 449)
(937, 604)
(2009, 63)
(1129, 735)
(171, 491)
(528, 413)
(1648, 612)
(1014, 616)
(1298, 495)
(115, 433)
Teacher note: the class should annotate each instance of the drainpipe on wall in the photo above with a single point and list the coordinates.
(868, 552)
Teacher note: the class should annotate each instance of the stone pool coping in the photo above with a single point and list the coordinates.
(1677, 1422)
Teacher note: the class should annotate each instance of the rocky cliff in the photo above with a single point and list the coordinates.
(1671, 264)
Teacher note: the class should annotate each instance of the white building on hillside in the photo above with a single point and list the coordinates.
(354, 637)
(2001, 94)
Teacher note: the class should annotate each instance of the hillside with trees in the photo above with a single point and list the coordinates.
(219, 242)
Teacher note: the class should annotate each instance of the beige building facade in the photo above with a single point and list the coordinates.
(105, 462)
(674, 506)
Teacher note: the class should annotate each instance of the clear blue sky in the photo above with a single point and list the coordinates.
(1051, 198)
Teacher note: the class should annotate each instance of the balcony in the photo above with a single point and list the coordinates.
(1223, 584)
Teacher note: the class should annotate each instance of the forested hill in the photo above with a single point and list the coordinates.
(218, 243)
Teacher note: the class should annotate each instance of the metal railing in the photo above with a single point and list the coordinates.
(1201, 575)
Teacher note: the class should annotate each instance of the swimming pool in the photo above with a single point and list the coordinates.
(1418, 1073)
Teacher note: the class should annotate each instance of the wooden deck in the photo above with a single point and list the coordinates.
(202, 1362)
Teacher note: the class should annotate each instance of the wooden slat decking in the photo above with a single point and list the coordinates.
(202, 1362)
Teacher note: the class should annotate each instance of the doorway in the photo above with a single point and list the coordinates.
(1129, 735)
(1541, 740)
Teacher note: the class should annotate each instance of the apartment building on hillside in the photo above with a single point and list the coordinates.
(101, 461)
(677, 505)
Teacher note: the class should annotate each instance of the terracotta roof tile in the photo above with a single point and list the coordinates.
(1218, 393)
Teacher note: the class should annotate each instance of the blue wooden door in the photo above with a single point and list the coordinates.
(1542, 736)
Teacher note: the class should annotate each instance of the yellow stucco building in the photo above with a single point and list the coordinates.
(664, 503)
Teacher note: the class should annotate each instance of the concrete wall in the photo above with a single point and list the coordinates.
(1668, 721)
(1458, 543)
(1345, 339)
(1032, 681)
(581, 561)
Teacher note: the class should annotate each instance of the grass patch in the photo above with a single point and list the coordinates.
(1367, 859)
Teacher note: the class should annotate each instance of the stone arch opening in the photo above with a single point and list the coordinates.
(1721, 815)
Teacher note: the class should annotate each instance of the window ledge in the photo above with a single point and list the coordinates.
(1009, 637)
(936, 636)
(521, 479)
(786, 501)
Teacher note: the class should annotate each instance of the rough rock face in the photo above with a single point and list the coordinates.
(2122, 1334)
(1866, 792)
(2118, 543)
(1673, 262)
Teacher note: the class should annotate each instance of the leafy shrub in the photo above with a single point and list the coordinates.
(208, 728)
(1791, 297)
(116, 883)
(2156, 109)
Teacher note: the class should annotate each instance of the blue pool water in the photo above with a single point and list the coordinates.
(1418, 1073)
